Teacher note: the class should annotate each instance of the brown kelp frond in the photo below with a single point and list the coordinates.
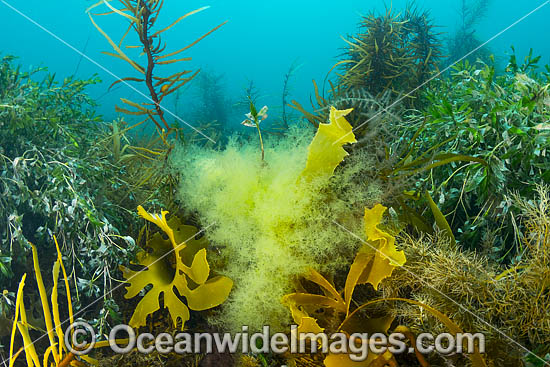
(120, 53)
(316, 118)
(142, 16)
(192, 43)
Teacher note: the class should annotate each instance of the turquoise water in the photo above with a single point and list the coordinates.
(260, 41)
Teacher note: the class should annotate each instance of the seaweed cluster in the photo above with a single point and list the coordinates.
(506, 303)
(211, 110)
(57, 179)
(392, 52)
(500, 118)
(456, 160)
(58, 353)
(269, 218)
(143, 16)
(383, 67)
(464, 44)
(352, 229)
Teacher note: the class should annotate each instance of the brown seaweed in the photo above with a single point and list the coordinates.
(143, 16)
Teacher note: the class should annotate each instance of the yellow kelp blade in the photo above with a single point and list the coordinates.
(199, 270)
(66, 280)
(306, 323)
(30, 351)
(55, 308)
(372, 360)
(325, 151)
(18, 300)
(358, 267)
(45, 302)
(159, 220)
(165, 278)
(321, 281)
(47, 354)
(210, 294)
(385, 256)
(14, 357)
(308, 299)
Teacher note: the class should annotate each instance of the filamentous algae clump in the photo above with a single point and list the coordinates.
(270, 225)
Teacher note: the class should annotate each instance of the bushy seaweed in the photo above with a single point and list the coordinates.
(143, 16)
(394, 52)
(56, 180)
(465, 44)
(508, 304)
(436, 205)
(501, 119)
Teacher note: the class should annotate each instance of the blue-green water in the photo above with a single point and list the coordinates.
(259, 43)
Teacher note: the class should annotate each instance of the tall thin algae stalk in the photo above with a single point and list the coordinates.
(143, 16)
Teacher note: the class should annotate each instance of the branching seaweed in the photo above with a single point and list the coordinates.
(286, 90)
(465, 39)
(142, 17)
(515, 299)
(393, 51)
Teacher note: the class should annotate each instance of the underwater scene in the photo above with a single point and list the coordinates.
(275, 184)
